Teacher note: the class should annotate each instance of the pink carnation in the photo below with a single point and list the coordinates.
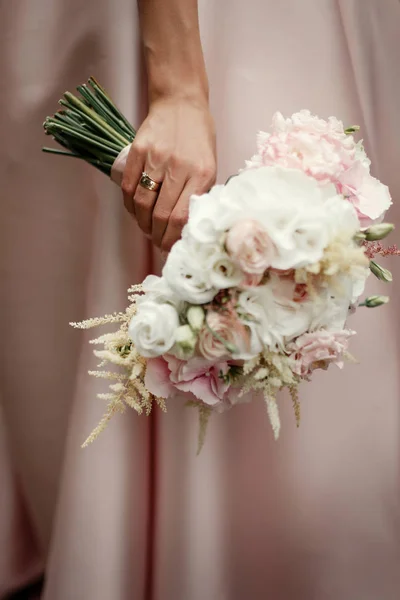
(319, 349)
(167, 376)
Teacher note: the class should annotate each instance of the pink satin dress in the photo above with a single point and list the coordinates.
(137, 516)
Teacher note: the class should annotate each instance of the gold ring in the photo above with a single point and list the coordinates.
(148, 183)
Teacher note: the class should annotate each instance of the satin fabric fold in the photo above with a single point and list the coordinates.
(118, 167)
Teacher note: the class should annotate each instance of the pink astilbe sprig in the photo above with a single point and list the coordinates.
(373, 249)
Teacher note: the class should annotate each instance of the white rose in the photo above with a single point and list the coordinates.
(152, 329)
(187, 275)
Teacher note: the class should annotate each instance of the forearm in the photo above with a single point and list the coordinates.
(172, 48)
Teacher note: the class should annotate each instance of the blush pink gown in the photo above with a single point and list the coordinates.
(315, 516)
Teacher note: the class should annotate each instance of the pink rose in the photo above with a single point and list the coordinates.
(250, 246)
(368, 195)
(166, 376)
(223, 336)
(319, 349)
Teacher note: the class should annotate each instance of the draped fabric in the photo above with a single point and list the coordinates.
(138, 515)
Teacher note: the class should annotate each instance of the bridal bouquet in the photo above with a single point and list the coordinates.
(255, 295)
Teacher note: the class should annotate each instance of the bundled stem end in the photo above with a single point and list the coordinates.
(89, 127)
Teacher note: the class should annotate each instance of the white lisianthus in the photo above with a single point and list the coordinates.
(153, 328)
(157, 290)
(186, 274)
(224, 273)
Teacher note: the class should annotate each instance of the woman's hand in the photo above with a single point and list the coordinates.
(175, 146)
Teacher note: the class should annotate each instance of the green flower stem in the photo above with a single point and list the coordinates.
(230, 347)
(90, 113)
(102, 166)
(88, 134)
(74, 155)
(57, 151)
(84, 118)
(60, 126)
(100, 108)
(103, 94)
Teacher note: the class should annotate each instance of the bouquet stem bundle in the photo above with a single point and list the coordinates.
(90, 127)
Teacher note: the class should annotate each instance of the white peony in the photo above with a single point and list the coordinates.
(152, 329)
(204, 217)
(291, 206)
(273, 319)
(256, 310)
(358, 285)
(298, 214)
(341, 217)
(331, 312)
(187, 274)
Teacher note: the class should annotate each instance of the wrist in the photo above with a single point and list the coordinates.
(184, 91)
(177, 77)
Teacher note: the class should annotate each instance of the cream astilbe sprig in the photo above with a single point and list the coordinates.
(341, 257)
(205, 413)
(271, 372)
(127, 387)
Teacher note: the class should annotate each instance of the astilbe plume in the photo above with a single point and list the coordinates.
(128, 388)
(373, 249)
